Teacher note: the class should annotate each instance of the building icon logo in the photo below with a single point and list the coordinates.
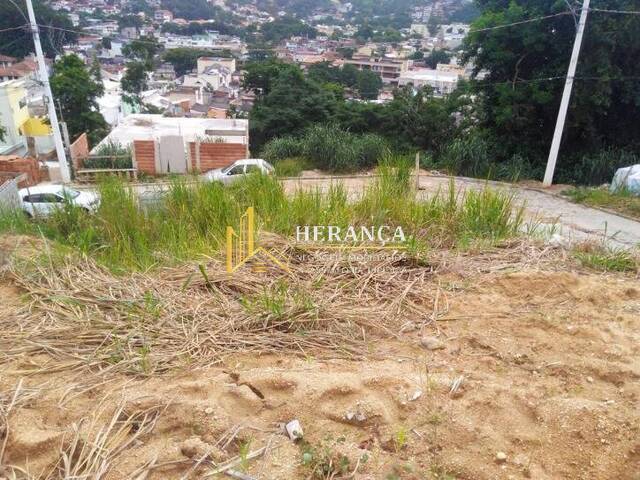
(241, 246)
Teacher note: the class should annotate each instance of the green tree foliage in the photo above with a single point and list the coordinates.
(365, 82)
(437, 56)
(260, 77)
(291, 104)
(142, 50)
(18, 43)
(125, 21)
(369, 84)
(106, 43)
(288, 102)
(134, 81)
(75, 90)
(520, 114)
(286, 27)
(186, 59)
(192, 9)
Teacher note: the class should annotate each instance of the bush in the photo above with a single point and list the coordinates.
(468, 156)
(110, 155)
(282, 148)
(597, 168)
(290, 167)
(328, 147)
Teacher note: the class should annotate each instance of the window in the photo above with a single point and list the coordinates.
(237, 170)
(253, 168)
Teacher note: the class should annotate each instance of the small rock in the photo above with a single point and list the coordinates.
(194, 447)
(355, 417)
(294, 430)
(590, 379)
(501, 457)
(208, 410)
(431, 343)
(416, 395)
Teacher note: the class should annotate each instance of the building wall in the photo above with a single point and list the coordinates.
(145, 155)
(79, 150)
(26, 165)
(216, 155)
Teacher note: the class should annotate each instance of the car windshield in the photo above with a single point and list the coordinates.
(71, 193)
(226, 169)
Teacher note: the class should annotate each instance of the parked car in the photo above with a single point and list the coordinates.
(43, 200)
(239, 169)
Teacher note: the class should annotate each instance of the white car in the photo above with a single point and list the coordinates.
(45, 199)
(239, 169)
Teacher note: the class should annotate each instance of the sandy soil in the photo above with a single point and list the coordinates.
(546, 362)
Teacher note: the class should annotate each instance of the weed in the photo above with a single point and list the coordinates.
(400, 438)
(606, 259)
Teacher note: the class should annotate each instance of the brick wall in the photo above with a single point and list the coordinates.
(216, 155)
(26, 165)
(79, 150)
(145, 153)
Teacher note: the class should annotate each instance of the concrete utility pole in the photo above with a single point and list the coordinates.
(566, 96)
(44, 78)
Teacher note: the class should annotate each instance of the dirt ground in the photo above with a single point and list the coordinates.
(532, 371)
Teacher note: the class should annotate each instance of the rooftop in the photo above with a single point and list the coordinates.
(151, 127)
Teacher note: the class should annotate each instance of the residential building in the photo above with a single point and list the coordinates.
(162, 16)
(443, 83)
(163, 145)
(24, 132)
(389, 70)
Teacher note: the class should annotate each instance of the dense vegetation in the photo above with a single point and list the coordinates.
(286, 27)
(190, 219)
(18, 43)
(289, 102)
(76, 89)
(516, 112)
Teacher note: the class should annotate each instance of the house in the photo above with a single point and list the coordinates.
(388, 69)
(205, 62)
(24, 132)
(162, 145)
(162, 16)
(11, 69)
(442, 82)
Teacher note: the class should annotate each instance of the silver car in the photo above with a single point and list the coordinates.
(43, 200)
(238, 170)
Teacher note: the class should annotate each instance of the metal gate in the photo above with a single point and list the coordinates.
(172, 156)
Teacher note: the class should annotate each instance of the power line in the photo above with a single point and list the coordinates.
(14, 28)
(20, 10)
(521, 22)
(621, 12)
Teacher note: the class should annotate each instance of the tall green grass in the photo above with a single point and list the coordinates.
(328, 147)
(191, 218)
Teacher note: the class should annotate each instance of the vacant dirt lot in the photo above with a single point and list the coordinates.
(528, 367)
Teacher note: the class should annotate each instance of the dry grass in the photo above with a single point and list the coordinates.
(83, 316)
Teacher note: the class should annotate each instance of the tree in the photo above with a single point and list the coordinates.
(96, 73)
(369, 84)
(75, 91)
(17, 42)
(437, 56)
(286, 27)
(142, 50)
(134, 82)
(291, 104)
(521, 112)
(106, 43)
(184, 60)
(261, 76)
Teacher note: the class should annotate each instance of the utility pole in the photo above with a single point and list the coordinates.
(566, 96)
(44, 78)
